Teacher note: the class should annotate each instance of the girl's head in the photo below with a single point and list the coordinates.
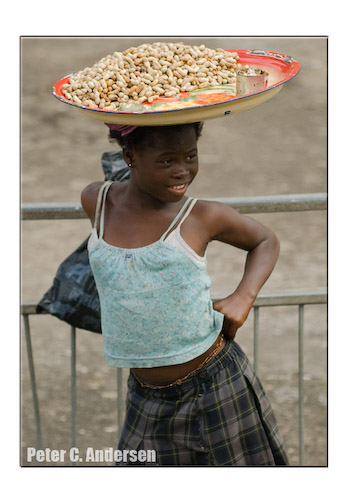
(140, 137)
(164, 160)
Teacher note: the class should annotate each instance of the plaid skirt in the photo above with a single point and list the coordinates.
(218, 417)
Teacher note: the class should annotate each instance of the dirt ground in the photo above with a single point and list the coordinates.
(277, 148)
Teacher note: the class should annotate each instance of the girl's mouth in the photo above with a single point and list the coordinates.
(178, 188)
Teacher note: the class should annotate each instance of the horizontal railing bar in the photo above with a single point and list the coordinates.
(263, 300)
(49, 211)
(291, 298)
(30, 308)
(277, 203)
(249, 205)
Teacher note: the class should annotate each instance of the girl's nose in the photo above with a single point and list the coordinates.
(180, 170)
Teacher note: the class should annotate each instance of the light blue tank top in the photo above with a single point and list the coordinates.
(155, 300)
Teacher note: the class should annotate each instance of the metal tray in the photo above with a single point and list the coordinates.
(203, 104)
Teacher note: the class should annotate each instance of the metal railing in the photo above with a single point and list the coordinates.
(269, 204)
(249, 205)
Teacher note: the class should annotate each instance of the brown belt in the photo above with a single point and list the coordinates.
(181, 380)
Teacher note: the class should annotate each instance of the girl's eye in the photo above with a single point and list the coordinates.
(191, 157)
(167, 162)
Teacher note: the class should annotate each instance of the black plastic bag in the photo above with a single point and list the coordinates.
(73, 297)
(114, 166)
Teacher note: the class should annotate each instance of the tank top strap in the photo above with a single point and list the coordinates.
(182, 214)
(101, 199)
(187, 213)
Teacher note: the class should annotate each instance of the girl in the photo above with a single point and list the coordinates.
(192, 397)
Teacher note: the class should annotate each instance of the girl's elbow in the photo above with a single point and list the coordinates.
(275, 243)
(271, 242)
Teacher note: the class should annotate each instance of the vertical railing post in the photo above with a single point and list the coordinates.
(119, 401)
(301, 383)
(33, 381)
(255, 338)
(73, 389)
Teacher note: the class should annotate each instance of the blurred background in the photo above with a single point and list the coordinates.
(277, 148)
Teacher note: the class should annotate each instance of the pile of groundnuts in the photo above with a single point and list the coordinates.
(145, 73)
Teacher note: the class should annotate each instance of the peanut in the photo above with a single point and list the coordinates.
(150, 71)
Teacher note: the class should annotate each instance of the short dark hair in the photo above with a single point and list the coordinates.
(142, 135)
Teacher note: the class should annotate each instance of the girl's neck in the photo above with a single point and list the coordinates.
(135, 198)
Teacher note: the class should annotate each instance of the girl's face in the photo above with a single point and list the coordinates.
(167, 165)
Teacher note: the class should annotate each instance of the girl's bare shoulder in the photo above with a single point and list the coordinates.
(89, 198)
(212, 211)
(219, 217)
(226, 224)
(90, 194)
(91, 190)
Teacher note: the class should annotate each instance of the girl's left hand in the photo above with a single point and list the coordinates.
(235, 310)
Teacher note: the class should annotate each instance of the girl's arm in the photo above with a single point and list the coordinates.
(227, 225)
